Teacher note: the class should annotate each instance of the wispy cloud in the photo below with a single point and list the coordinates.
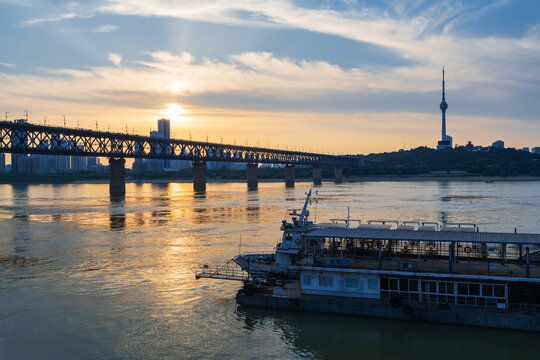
(423, 36)
(7, 65)
(106, 28)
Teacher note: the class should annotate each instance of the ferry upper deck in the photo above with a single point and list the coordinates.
(459, 250)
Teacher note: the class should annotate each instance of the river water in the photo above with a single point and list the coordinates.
(82, 276)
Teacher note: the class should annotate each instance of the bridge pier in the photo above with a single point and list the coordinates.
(338, 175)
(317, 177)
(199, 176)
(252, 176)
(289, 175)
(117, 177)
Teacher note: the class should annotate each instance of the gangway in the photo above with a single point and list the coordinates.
(228, 271)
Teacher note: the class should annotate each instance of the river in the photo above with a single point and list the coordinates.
(82, 276)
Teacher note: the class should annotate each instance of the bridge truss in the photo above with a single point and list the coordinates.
(25, 138)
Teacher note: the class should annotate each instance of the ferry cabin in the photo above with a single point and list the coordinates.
(469, 268)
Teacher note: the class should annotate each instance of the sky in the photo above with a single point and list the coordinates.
(341, 77)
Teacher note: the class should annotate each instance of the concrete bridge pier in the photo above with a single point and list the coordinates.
(117, 177)
(199, 176)
(338, 175)
(317, 175)
(289, 175)
(252, 176)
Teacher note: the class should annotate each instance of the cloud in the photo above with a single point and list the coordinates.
(115, 58)
(414, 30)
(106, 28)
(8, 65)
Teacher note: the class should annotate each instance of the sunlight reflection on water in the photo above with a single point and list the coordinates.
(84, 276)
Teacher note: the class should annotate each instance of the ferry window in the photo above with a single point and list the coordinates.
(498, 290)
(288, 236)
(449, 288)
(425, 286)
(461, 300)
(462, 289)
(403, 285)
(384, 283)
(393, 284)
(474, 289)
(351, 283)
(432, 286)
(307, 279)
(471, 300)
(325, 281)
(487, 290)
(372, 284)
(413, 285)
(442, 287)
(481, 301)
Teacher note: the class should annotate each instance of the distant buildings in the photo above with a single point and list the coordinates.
(446, 140)
(536, 150)
(156, 165)
(526, 149)
(499, 144)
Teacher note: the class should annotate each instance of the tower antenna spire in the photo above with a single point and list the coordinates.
(443, 83)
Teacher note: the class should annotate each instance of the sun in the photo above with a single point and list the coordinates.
(174, 112)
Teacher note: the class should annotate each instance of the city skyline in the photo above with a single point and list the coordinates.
(366, 74)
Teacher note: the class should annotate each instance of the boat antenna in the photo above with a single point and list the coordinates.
(240, 245)
(348, 216)
(316, 202)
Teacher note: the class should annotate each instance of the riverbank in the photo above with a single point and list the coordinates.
(377, 178)
(367, 178)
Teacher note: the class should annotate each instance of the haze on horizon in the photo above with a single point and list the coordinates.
(329, 76)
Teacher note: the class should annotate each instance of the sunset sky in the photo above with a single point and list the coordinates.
(334, 76)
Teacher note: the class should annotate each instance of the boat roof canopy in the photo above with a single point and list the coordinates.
(415, 235)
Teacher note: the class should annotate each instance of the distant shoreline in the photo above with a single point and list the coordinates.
(372, 178)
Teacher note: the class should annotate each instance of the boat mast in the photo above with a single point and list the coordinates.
(303, 214)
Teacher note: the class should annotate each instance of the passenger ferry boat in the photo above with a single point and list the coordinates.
(448, 273)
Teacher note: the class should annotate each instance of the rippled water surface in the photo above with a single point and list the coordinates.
(82, 276)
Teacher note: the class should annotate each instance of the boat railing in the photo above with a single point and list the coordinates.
(228, 271)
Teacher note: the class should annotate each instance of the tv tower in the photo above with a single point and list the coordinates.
(446, 140)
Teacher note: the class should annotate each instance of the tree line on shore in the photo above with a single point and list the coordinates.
(422, 160)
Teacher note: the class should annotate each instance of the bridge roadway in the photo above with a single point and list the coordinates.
(25, 138)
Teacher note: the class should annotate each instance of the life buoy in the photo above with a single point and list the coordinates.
(298, 241)
(467, 249)
(365, 245)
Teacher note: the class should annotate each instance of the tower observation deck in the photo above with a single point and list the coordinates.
(446, 140)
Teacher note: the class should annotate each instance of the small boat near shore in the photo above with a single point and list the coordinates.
(411, 270)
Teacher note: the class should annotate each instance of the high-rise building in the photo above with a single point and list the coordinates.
(2, 162)
(164, 131)
(155, 164)
(92, 163)
(164, 128)
(19, 162)
(446, 140)
(535, 150)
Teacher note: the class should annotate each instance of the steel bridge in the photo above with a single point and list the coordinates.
(25, 138)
